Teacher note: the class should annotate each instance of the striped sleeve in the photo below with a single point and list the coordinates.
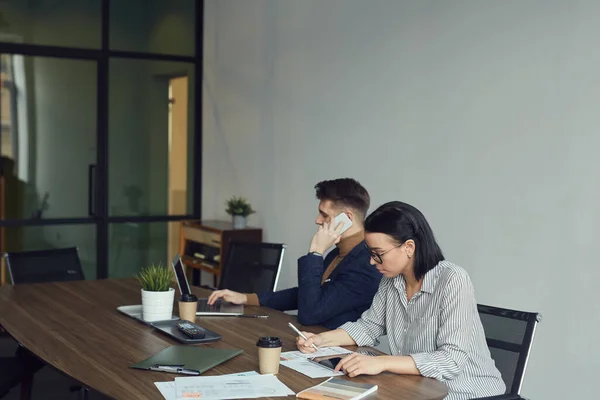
(458, 311)
(371, 325)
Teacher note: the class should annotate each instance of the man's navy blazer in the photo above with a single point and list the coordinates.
(343, 297)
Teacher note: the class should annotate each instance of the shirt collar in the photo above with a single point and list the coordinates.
(429, 280)
(346, 245)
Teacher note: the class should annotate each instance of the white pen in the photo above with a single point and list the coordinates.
(301, 335)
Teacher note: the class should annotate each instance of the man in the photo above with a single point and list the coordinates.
(338, 288)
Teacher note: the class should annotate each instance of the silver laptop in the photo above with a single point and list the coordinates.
(220, 308)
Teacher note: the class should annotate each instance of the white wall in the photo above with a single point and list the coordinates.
(482, 114)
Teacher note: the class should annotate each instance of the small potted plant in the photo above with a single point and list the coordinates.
(239, 209)
(157, 294)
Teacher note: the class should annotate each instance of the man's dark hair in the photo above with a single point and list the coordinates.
(403, 222)
(346, 192)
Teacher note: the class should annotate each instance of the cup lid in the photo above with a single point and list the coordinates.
(188, 297)
(269, 342)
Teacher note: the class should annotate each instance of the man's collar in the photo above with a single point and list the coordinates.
(346, 245)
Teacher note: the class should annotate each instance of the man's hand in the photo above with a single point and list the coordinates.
(305, 346)
(359, 364)
(327, 235)
(227, 295)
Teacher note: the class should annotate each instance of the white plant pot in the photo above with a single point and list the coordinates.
(157, 306)
(239, 222)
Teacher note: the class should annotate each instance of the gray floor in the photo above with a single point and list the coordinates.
(48, 384)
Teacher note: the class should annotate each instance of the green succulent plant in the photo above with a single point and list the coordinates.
(238, 206)
(155, 278)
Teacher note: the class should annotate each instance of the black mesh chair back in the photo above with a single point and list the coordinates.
(509, 336)
(56, 265)
(252, 267)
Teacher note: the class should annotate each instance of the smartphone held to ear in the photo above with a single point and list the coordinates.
(342, 218)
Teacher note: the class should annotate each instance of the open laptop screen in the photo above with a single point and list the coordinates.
(182, 282)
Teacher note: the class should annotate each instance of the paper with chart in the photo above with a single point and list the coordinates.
(230, 387)
(167, 389)
(299, 361)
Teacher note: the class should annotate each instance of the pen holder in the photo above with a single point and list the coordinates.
(269, 352)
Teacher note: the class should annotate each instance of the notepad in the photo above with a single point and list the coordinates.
(200, 359)
(336, 388)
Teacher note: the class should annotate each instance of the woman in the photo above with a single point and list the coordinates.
(424, 304)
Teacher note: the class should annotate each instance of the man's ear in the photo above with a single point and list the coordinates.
(350, 214)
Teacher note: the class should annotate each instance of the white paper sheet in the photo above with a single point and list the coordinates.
(310, 369)
(230, 387)
(167, 389)
(323, 352)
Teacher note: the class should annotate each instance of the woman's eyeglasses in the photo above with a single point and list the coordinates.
(378, 256)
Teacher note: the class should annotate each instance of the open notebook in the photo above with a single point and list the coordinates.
(337, 388)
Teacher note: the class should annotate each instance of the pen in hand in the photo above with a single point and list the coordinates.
(301, 335)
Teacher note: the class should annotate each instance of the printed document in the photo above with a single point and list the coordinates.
(167, 389)
(230, 387)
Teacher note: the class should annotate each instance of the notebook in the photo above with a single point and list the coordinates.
(337, 388)
(220, 308)
(200, 359)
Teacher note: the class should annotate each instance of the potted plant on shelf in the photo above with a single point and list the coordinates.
(239, 209)
(157, 293)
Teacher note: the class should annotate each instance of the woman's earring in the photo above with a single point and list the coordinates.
(409, 256)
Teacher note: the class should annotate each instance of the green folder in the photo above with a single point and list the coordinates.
(190, 357)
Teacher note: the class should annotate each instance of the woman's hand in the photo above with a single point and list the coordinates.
(305, 346)
(359, 364)
(227, 295)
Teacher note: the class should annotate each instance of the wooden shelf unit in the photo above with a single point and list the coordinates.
(210, 238)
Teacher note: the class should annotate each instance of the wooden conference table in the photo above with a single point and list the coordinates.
(76, 328)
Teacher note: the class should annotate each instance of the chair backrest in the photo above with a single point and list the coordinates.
(252, 267)
(509, 335)
(54, 265)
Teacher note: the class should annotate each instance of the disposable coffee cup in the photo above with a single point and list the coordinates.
(188, 305)
(269, 351)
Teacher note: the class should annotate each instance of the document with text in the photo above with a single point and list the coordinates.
(230, 387)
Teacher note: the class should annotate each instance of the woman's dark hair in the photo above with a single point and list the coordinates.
(403, 222)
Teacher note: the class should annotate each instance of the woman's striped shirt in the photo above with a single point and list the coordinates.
(439, 328)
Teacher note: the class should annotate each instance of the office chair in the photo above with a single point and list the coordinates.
(252, 267)
(55, 265)
(39, 266)
(13, 372)
(509, 335)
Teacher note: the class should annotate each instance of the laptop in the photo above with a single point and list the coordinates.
(220, 308)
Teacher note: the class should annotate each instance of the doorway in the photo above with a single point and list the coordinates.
(178, 153)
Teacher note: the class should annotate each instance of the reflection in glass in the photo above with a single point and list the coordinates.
(153, 26)
(133, 246)
(68, 23)
(49, 111)
(7, 98)
(150, 137)
(28, 238)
